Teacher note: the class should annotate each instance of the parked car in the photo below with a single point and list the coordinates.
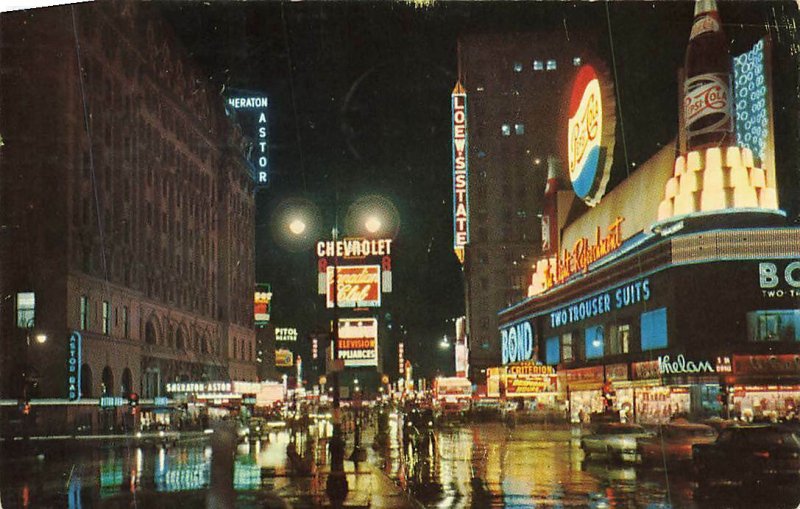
(673, 442)
(614, 440)
(749, 455)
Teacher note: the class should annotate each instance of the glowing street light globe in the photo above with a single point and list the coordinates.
(297, 226)
(372, 224)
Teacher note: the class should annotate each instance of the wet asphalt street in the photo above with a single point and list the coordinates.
(469, 466)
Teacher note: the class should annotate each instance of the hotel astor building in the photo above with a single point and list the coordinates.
(127, 211)
(677, 291)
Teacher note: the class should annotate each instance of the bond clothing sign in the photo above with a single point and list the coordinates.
(517, 342)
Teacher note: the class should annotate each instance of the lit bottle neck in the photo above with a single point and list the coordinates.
(703, 6)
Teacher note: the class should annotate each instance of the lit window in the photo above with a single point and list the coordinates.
(552, 351)
(84, 312)
(517, 67)
(654, 329)
(551, 65)
(506, 130)
(106, 317)
(519, 129)
(576, 61)
(566, 347)
(26, 309)
(594, 343)
(538, 65)
(774, 325)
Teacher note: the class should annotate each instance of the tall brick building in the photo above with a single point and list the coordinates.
(126, 209)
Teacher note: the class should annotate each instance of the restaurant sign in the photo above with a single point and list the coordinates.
(525, 385)
(583, 253)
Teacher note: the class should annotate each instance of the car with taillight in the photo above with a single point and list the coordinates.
(673, 442)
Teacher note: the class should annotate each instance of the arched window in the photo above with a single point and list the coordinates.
(127, 382)
(86, 381)
(108, 382)
(150, 333)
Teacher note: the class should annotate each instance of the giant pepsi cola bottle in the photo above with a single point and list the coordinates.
(707, 94)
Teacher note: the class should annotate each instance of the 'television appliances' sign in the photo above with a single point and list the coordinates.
(357, 342)
(516, 342)
(618, 298)
(74, 363)
(460, 168)
(252, 116)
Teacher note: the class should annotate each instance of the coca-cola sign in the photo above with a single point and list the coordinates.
(589, 139)
(359, 286)
(705, 95)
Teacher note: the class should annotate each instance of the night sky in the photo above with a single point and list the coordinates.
(359, 97)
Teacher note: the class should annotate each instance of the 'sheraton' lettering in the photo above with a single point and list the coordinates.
(354, 248)
(681, 366)
(248, 102)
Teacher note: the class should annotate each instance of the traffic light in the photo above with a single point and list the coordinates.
(133, 400)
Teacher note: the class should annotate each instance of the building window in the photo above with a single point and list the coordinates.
(566, 347)
(654, 329)
(125, 322)
(84, 312)
(551, 65)
(506, 130)
(619, 339)
(517, 67)
(576, 61)
(552, 352)
(106, 317)
(26, 309)
(773, 325)
(538, 65)
(594, 342)
(519, 129)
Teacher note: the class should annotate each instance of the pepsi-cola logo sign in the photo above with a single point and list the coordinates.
(587, 141)
(517, 342)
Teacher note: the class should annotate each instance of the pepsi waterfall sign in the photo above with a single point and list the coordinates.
(590, 134)
(517, 342)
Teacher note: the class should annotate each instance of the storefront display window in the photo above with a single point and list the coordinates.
(595, 341)
(619, 339)
(552, 351)
(654, 329)
(773, 325)
(566, 347)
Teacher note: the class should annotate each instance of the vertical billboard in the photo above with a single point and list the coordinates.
(460, 168)
(74, 363)
(358, 286)
(261, 304)
(357, 342)
(251, 114)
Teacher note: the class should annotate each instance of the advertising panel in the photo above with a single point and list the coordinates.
(462, 359)
(590, 135)
(460, 171)
(285, 334)
(359, 286)
(74, 363)
(284, 358)
(251, 115)
(357, 343)
(261, 304)
(530, 384)
(517, 342)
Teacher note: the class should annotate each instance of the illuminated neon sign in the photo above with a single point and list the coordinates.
(358, 286)
(583, 254)
(74, 353)
(357, 342)
(261, 303)
(460, 167)
(256, 107)
(588, 142)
